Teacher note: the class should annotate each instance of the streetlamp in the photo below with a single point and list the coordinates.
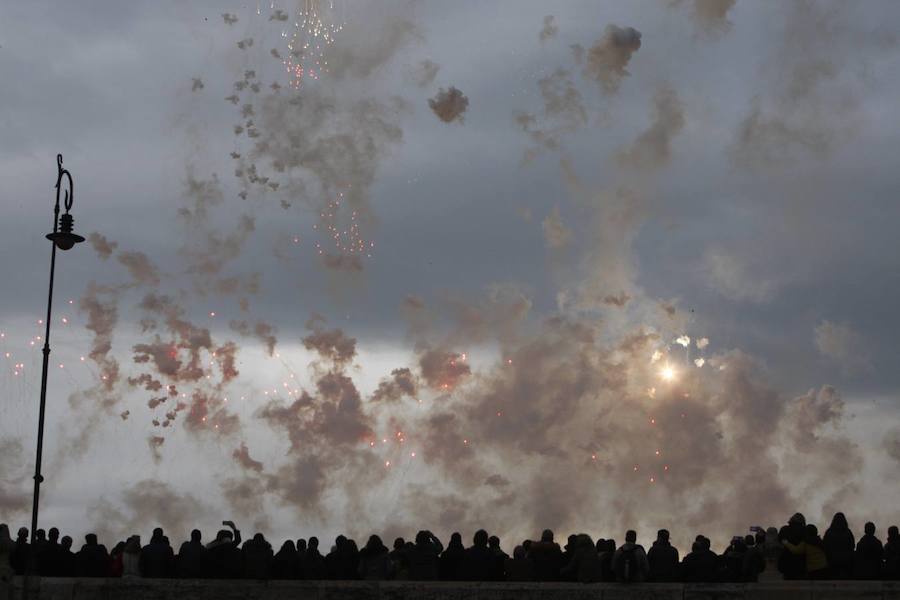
(64, 239)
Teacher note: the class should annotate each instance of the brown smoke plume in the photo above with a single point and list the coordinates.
(605, 62)
(103, 247)
(652, 148)
(449, 105)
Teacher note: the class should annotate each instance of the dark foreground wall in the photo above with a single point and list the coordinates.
(172, 589)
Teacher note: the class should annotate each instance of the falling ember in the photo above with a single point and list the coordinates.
(387, 463)
(412, 454)
(652, 480)
(212, 313)
(314, 30)
(635, 468)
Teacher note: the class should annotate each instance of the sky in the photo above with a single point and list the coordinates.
(410, 264)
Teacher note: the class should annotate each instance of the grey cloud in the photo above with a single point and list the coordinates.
(449, 105)
(606, 60)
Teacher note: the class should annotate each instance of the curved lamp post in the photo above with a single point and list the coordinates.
(64, 239)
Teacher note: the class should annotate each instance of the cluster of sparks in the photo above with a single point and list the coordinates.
(348, 240)
(314, 30)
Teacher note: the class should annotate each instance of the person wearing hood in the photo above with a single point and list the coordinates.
(7, 547)
(701, 565)
(812, 549)
(285, 562)
(257, 554)
(547, 557)
(839, 547)
(792, 565)
(662, 558)
(519, 567)
(892, 555)
(869, 554)
(630, 561)
(374, 562)
(584, 565)
(451, 559)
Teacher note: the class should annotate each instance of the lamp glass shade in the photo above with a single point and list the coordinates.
(65, 240)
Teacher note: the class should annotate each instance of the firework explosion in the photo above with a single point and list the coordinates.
(315, 28)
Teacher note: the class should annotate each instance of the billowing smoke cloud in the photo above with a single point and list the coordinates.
(449, 105)
(139, 266)
(425, 73)
(14, 493)
(550, 28)
(711, 16)
(556, 234)
(402, 383)
(652, 148)
(260, 330)
(842, 344)
(148, 501)
(103, 247)
(563, 113)
(605, 62)
(811, 86)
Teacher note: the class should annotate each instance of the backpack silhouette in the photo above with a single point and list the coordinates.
(626, 569)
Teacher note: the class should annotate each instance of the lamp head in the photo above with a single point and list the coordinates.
(65, 239)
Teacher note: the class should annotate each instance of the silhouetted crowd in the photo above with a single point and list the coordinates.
(796, 551)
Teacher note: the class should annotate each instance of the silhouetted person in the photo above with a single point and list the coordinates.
(606, 550)
(257, 554)
(630, 561)
(791, 565)
(662, 558)
(93, 559)
(67, 558)
(869, 553)
(732, 562)
(892, 554)
(131, 558)
(157, 557)
(48, 559)
(499, 558)
(7, 547)
(754, 561)
(423, 557)
(701, 565)
(374, 562)
(839, 547)
(223, 555)
(285, 563)
(519, 567)
(37, 549)
(21, 552)
(343, 560)
(547, 557)
(314, 567)
(584, 564)
(478, 561)
(813, 551)
(451, 559)
(568, 550)
(398, 558)
(191, 560)
(115, 560)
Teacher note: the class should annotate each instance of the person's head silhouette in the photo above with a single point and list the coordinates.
(631, 536)
(547, 536)
(870, 528)
(480, 538)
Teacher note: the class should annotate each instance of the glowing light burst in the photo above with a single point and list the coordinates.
(668, 373)
(317, 24)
